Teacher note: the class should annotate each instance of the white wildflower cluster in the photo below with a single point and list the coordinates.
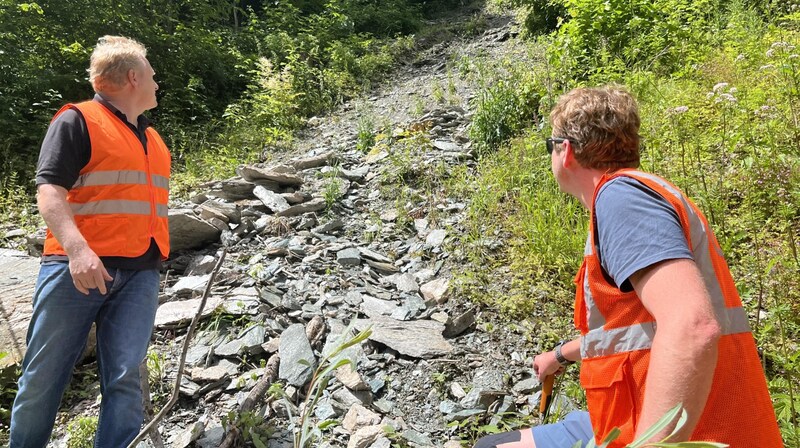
(722, 93)
(766, 111)
(780, 47)
(678, 110)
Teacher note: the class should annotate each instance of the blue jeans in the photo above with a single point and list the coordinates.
(62, 318)
(575, 427)
(564, 434)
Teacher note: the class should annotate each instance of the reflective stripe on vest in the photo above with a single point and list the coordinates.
(117, 206)
(599, 341)
(98, 178)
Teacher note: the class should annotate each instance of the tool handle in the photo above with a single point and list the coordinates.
(547, 393)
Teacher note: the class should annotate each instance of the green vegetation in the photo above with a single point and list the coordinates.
(80, 432)
(236, 77)
(718, 85)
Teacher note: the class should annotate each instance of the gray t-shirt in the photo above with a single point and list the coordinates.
(636, 228)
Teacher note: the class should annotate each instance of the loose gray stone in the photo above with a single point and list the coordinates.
(188, 285)
(525, 386)
(420, 339)
(406, 283)
(350, 377)
(325, 409)
(356, 174)
(313, 205)
(349, 398)
(417, 438)
(434, 291)
(375, 307)
(189, 435)
(359, 417)
(196, 354)
(410, 308)
(421, 225)
(449, 407)
(365, 437)
(212, 438)
(188, 231)
(179, 314)
(298, 197)
(436, 237)
(18, 274)
(463, 415)
(201, 265)
(234, 189)
(314, 162)
(488, 379)
(382, 442)
(279, 174)
(275, 202)
(457, 391)
(295, 347)
(222, 210)
(459, 324)
(349, 257)
(383, 405)
(211, 374)
(445, 145)
(189, 388)
(375, 256)
(330, 226)
(387, 268)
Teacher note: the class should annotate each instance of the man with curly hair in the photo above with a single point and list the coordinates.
(660, 320)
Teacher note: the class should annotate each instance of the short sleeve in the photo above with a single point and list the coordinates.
(636, 228)
(66, 149)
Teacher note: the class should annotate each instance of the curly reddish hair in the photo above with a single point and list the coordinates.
(602, 124)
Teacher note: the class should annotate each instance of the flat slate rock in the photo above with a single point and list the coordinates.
(294, 347)
(188, 231)
(274, 201)
(313, 205)
(417, 338)
(179, 314)
(255, 174)
(17, 280)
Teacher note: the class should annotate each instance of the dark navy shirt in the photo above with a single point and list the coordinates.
(66, 149)
(636, 228)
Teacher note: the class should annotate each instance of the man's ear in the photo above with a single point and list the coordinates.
(133, 80)
(569, 154)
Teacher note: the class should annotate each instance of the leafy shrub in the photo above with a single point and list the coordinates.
(80, 432)
(502, 111)
(611, 36)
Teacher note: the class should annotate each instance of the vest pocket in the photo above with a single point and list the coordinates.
(607, 381)
(106, 235)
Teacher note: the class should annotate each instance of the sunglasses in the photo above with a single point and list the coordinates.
(550, 142)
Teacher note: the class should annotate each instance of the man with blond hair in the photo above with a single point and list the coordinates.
(660, 320)
(102, 189)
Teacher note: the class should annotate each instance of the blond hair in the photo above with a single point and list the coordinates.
(111, 60)
(602, 124)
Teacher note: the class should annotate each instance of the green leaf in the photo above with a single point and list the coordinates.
(658, 426)
(257, 441)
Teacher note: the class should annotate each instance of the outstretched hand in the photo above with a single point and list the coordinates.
(88, 271)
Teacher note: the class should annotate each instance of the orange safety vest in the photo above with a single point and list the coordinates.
(120, 198)
(617, 333)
